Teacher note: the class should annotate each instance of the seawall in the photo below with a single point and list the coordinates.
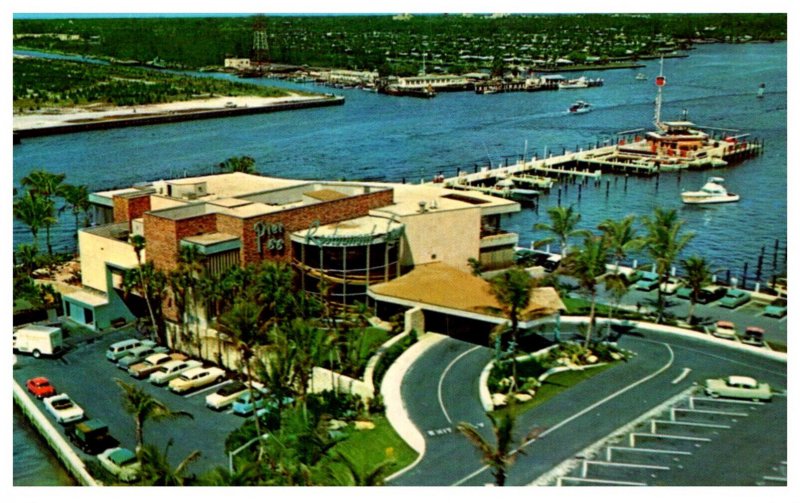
(174, 116)
(71, 461)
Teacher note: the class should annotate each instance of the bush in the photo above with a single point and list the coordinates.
(338, 405)
(391, 354)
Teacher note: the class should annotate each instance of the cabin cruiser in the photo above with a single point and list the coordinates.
(580, 107)
(711, 192)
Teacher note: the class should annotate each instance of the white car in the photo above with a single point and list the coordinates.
(670, 286)
(63, 408)
(225, 396)
(120, 462)
(725, 330)
(738, 387)
(137, 355)
(171, 370)
(196, 378)
(153, 363)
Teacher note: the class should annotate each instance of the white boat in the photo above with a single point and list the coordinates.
(580, 107)
(641, 76)
(711, 192)
(578, 83)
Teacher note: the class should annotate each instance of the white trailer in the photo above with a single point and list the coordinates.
(38, 340)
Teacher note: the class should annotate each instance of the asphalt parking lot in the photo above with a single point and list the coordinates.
(698, 441)
(85, 374)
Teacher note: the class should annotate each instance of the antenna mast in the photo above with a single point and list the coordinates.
(660, 82)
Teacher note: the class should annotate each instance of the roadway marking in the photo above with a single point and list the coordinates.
(682, 375)
(738, 362)
(441, 380)
(586, 410)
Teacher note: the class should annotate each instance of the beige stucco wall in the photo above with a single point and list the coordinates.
(162, 202)
(447, 236)
(96, 251)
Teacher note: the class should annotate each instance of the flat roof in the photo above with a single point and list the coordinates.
(87, 297)
(210, 238)
(370, 225)
(231, 185)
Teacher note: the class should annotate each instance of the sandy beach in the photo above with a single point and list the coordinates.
(54, 117)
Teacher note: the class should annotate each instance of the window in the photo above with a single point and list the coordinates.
(88, 316)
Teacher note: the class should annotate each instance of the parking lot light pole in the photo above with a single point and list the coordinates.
(236, 451)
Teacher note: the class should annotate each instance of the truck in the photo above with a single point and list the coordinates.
(91, 436)
(38, 340)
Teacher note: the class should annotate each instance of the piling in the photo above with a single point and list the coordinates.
(744, 277)
(608, 186)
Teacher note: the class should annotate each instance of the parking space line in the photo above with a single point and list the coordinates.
(686, 423)
(774, 479)
(725, 400)
(633, 437)
(644, 449)
(626, 465)
(209, 388)
(710, 411)
(601, 481)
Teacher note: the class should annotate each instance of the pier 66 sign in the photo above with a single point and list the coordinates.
(269, 237)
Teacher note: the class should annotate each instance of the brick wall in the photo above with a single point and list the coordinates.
(127, 207)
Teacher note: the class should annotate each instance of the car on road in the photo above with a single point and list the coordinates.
(121, 349)
(753, 336)
(63, 409)
(171, 370)
(734, 298)
(121, 463)
(197, 377)
(153, 363)
(246, 403)
(91, 436)
(670, 286)
(226, 395)
(40, 387)
(647, 282)
(136, 355)
(777, 308)
(738, 387)
(725, 330)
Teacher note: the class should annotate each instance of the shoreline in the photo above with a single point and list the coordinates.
(97, 117)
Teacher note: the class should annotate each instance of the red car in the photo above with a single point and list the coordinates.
(40, 387)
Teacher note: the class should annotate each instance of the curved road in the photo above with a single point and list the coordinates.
(441, 389)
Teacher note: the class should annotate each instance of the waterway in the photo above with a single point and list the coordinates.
(394, 139)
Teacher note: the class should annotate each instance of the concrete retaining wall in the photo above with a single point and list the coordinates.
(71, 461)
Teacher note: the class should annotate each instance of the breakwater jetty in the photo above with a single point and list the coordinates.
(121, 120)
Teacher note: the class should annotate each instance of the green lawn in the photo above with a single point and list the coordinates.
(369, 448)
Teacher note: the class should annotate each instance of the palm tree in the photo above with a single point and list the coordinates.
(375, 476)
(620, 235)
(34, 211)
(664, 241)
(143, 407)
(243, 323)
(156, 469)
(138, 243)
(563, 225)
(76, 200)
(28, 258)
(586, 265)
(498, 457)
(243, 164)
(46, 185)
(512, 289)
(245, 473)
(697, 275)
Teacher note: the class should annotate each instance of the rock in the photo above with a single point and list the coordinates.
(522, 397)
(498, 399)
(364, 425)
(336, 424)
(592, 359)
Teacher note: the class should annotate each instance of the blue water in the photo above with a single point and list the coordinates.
(377, 136)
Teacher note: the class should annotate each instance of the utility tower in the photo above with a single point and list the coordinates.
(260, 44)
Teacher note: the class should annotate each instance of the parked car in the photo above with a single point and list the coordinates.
(529, 258)
(552, 262)
(246, 403)
(40, 387)
(777, 308)
(705, 295)
(670, 286)
(725, 330)
(121, 463)
(734, 298)
(38, 340)
(63, 408)
(738, 387)
(153, 363)
(647, 282)
(91, 436)
(121, 349)
(226, 395)
(753, 336)
(197, 377)
(631, 274)
(171, 370)
(136, 355)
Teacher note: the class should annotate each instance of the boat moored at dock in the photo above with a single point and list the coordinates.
(711, 193)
